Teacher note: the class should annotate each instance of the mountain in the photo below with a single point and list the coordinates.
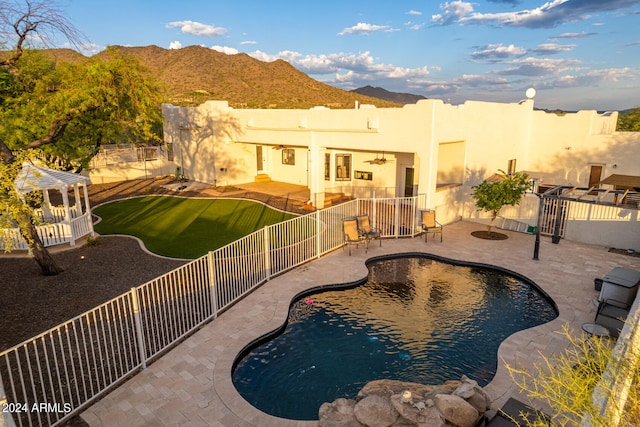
(380, 93)
(196, 74)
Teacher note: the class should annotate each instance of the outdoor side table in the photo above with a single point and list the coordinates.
(596, 330)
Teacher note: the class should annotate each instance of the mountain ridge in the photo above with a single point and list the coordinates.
(381, 93)
(195, 74)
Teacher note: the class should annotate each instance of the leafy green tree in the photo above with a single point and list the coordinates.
(492, 195)
(629, 121)
(59, 113)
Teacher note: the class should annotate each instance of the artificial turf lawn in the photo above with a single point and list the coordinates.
(185, 228)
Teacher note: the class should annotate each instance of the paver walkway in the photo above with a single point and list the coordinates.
(191, 385)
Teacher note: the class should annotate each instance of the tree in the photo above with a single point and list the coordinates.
(629, 121)
(492, 195)
(59, 113)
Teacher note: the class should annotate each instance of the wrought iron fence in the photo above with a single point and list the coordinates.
(56, 374)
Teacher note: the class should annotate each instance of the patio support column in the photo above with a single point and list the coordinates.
(316, 173)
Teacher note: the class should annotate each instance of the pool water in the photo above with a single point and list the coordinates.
(415, 319)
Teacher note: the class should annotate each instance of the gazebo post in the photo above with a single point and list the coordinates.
(76, 197)
(46, 206)
(88, 208)
(67, 213)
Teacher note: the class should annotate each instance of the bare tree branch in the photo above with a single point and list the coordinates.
(59, 125)
(36, 22)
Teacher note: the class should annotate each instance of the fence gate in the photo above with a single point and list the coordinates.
(552, 211)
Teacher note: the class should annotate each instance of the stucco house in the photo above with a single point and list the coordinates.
(430, 148)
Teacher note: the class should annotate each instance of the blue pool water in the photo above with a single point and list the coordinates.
(415, 319)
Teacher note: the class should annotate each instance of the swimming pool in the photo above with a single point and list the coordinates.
(420, 318)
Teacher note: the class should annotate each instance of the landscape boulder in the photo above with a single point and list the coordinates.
(389, 403)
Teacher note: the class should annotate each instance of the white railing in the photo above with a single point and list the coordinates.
(75, 363)
(113, 155)
(362, 192)
(50, 234)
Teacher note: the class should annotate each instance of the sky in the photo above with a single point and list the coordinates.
(576, 54)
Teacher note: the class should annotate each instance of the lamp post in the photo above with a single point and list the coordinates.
(536, 247)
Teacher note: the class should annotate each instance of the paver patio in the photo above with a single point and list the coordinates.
(191, 384)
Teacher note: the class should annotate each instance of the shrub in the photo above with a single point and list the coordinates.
(93, 241)
(567, 382)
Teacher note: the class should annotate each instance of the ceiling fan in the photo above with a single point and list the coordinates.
(378, 160)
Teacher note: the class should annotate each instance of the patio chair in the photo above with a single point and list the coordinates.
(612, 315)
(365, 229)
(351, 234)
(430, 225)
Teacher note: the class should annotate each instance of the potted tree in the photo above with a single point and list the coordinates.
(500, 190)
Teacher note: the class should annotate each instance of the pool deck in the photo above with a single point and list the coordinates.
(191, 384)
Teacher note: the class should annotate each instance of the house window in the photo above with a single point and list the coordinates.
(288, 156)
(327, 166)
(343, 167)
(511, 168)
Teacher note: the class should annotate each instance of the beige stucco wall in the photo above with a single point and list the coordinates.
(604, 225)
(440, 141)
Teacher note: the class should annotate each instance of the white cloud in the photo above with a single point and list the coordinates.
(453, 11)
(549, 15)
(225, 49)
(414, 12)
(572, 35)
(414, 26)
(552, 48)
(249, 42)
(86, 48)
(497, 51)
(365, 29)
(538, 67)
(347, 69)
(198, 29)
(592, 78)
(175, 45)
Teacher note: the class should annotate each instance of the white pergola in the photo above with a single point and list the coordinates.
(61, 224)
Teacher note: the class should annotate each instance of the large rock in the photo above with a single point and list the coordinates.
(470, 391)
(339, 413)
(389, 403)
(417, 412)
(375, 411)
(456, 410)
(447, 388)
(387, 388)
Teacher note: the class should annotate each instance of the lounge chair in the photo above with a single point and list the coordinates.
(612, 315)
(430, 225)
(351, 234)
(365, 229)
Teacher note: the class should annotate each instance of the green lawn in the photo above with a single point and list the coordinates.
(185, 228)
